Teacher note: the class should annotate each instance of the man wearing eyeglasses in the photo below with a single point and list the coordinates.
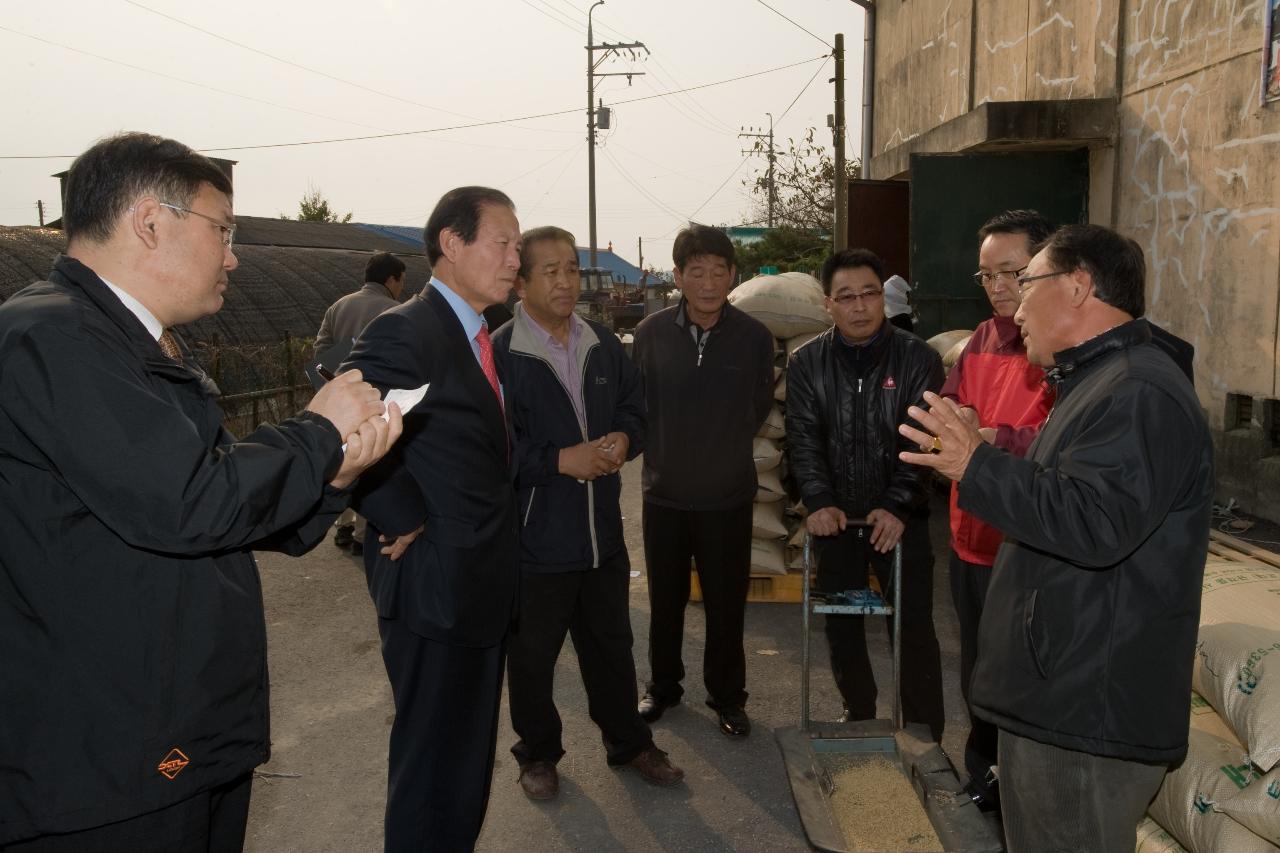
(1006, 396)
(847, 391)
(1089, 630)
(135, 662)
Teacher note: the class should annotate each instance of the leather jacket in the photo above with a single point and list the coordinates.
(842, 424)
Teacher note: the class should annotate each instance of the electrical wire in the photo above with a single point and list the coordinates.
(802, 91)
(793, 23)
(722, 186)
(553, 14)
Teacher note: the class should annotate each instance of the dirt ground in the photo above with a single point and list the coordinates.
(324, 788)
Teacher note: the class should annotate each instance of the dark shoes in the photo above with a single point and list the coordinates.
(651, 707)
(734, 722)
(655, 767)
(985, 804)
(357, 548)
(539, 780)
(345, 535)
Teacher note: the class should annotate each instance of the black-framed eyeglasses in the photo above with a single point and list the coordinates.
(1023, 281)
(987, 279)
(845, 299)
(228, 231)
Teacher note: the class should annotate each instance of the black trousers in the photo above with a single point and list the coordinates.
(719, 541)
(843, 562)
(212, 821)
(592, 607)
(441, 756)
(969, 582)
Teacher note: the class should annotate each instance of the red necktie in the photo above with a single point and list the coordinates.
(487, 364)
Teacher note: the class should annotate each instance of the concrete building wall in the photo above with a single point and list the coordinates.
(1191, 173)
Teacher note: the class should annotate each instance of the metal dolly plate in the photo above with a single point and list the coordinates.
(955, 819)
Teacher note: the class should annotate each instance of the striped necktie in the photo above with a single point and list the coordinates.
(169, 346)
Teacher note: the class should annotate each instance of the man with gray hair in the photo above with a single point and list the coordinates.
(1088, 634)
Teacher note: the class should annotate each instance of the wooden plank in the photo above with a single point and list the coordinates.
(1271, 558)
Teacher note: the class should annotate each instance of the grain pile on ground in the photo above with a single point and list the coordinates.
(876, 807)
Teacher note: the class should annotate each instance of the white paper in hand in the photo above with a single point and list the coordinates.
(405, 398)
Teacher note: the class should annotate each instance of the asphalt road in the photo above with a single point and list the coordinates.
(325, 786)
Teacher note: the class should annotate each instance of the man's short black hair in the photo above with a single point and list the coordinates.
(117, 171)
(542, 234)
(459, 211)
(848, 259)
(383, 266)
(1115, 262)
(1029, 222)
(698, 240)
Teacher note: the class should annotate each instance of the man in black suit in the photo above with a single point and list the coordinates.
(444, 585)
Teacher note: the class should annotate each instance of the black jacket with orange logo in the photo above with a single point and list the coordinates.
(133, 672)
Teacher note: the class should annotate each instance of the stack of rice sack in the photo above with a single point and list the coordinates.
(949, 345)
(1226, 794)
(791, 306)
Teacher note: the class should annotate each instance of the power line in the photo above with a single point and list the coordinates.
(793, 23)
(722, 186)
(403, 133)
(175, 79)
(802, 91)
(657, 202)
(554, 15)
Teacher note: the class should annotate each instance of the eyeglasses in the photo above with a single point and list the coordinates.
(228, 231)
(846, 299)
(987, 279)
(1023, 281)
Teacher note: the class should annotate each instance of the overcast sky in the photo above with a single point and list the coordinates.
(235, 74)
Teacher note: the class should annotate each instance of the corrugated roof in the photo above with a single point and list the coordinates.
(265, 231)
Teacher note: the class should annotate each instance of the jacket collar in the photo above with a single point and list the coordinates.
(524, 338)
(1071, 362)
(682, 320)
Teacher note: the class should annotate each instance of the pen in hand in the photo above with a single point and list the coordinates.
(325, 373)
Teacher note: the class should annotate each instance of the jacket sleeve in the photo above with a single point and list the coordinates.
(763, 400)
(955, 376)
(1112, 484)
(1016, 440)
(628, 414)
(138, 462)
(393, 353)
(907, 490)
(324, 337)
(807, 433)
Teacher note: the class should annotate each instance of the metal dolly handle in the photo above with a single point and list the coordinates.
(867, 604)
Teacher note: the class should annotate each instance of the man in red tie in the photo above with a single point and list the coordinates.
(444, 505)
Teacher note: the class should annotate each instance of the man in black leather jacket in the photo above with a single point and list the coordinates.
(847, 391)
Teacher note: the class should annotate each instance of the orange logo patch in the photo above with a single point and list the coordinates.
(173, 763)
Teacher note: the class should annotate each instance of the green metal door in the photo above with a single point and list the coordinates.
(952, 195)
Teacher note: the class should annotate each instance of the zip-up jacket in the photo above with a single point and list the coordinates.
(842, 429)
(1089, 630)
(993, 377)
(705, 401)
(567, 525)
(133, 653)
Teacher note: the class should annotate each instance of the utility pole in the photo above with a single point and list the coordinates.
(592, 64)
(841, 205)
(40, 208)
(640, 252)
(772, 155)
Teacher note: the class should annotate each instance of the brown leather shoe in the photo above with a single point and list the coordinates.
(655, 767)
(540, 780)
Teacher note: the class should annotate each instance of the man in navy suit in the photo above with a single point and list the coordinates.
(445, 583)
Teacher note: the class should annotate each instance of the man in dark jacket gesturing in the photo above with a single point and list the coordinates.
(134, 686)
(1086, 644)
(577, 413)
(847, 390)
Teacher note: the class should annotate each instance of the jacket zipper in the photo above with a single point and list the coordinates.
(532, 491)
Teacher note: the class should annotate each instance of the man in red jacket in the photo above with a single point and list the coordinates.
(1006, 397)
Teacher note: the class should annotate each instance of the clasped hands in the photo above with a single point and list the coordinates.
(596, 458)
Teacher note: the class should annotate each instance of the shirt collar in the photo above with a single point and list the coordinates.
(471, 321)
(154, 327)
(547, 339)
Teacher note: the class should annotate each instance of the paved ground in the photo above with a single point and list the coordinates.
(331, 710)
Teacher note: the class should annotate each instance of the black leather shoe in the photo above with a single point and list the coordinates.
(344, 535)
(651, 707)
(734, 722)
(357, 548)
(985, 804)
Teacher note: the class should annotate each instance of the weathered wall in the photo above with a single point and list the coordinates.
(1192, 175)
(922, 67)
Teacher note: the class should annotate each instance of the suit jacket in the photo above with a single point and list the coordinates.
(450, 471)
(347, 317)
